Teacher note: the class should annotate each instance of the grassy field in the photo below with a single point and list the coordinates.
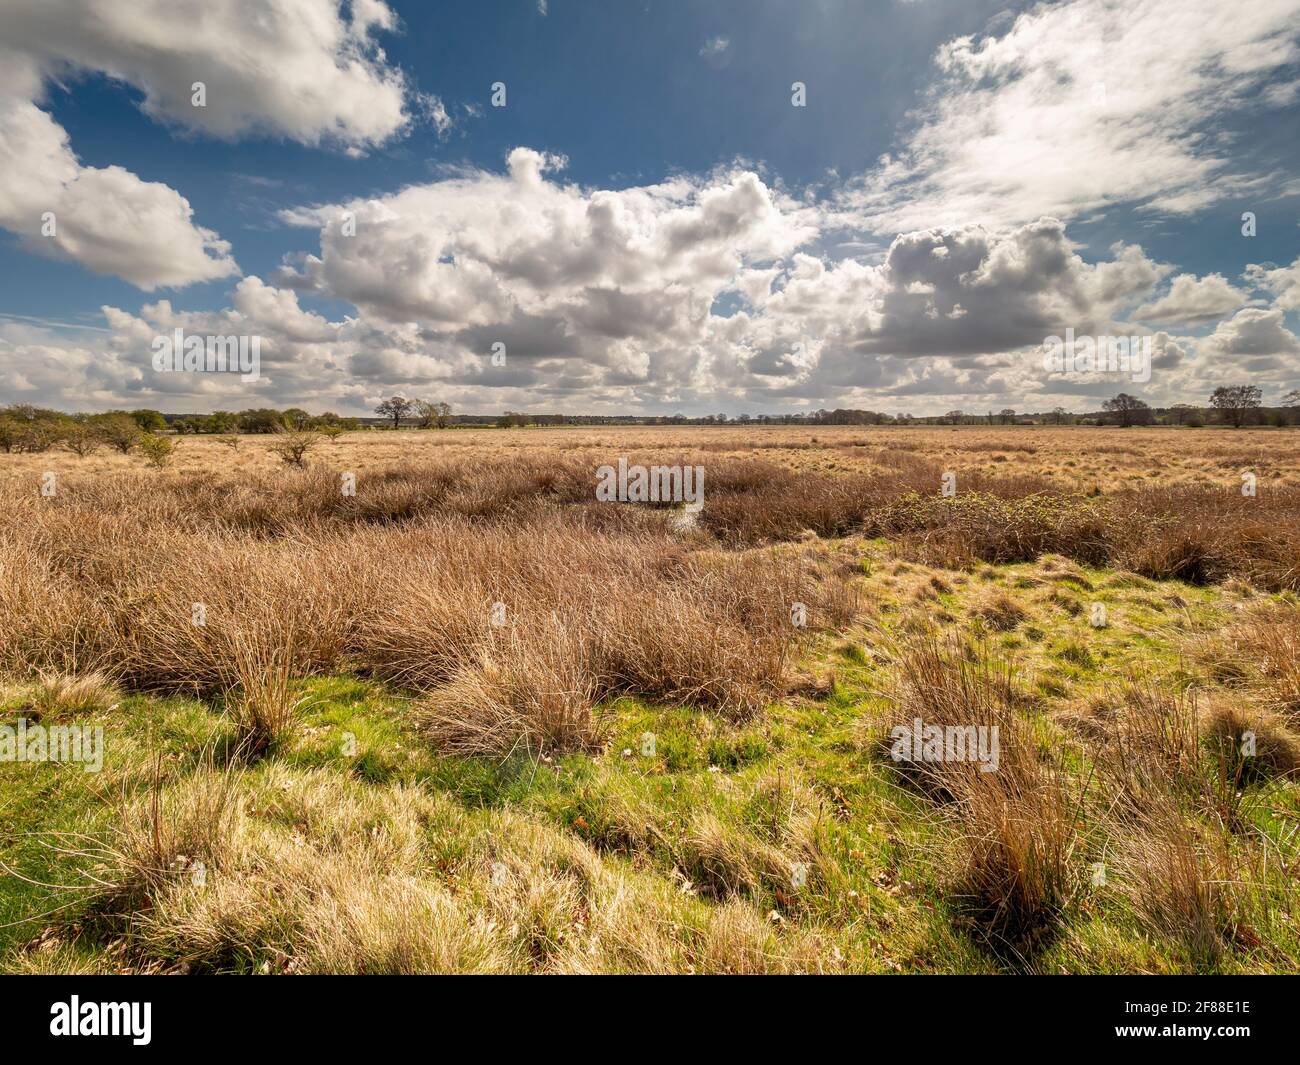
(470, 719)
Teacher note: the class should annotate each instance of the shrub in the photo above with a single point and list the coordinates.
(30, 430)
(293, 446)
(157, 450)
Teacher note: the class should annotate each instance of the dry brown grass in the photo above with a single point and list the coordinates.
(1250, 744)
(532, 688)
(1260, 652)
(1180, 880)
(189, 587)
(60, 695)
(402, 582)
(1149, 750)
(347, 889)
(1174, 808)
(1272, 642)
(775, 485)
(1075, 457)
(1001, 612)
(264, 708)
(1014, 828)
(399, 580)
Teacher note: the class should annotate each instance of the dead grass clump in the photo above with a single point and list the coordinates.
(1152, 751)
(1013, 825)
(1261, 652)
(1002, 613)
(1179, 880)
(48, 622)
(718, 636)
(957, 532)
(753, 502)
(1249, 745)
(61, 695)
(941, 683)
(724, 861)
(434, 594)
(530, 689)
(1272, 640)
(1015, 851)
(1204, 534)
(1176, 551)
(265, 709)
(178, 830)
(395, 925)
(187, 620)
(204, 875)
(609, 614)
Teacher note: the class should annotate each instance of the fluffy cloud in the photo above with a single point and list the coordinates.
(1082, 105)
(649, 298)
(1282, 281)
(106, 218)
(1251, 335)
(1193, 299)
(305, 69)
(41, 367)
(547, 268)
(718, 288)
(646, 296)
(297, 69)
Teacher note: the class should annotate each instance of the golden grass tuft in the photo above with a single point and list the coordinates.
(61, 695)
(1014, 829)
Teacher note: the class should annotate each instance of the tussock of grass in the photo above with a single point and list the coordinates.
(1015, 828)
(1250, 744)
(58, 696)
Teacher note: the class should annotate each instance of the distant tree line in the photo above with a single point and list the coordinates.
(1235, 405)
(25, 428)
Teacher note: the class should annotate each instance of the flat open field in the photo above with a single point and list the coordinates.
(1075, 458)
(468, 718)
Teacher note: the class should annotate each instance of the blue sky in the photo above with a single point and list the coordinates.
(683, 237)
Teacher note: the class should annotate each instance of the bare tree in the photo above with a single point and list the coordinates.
(1292, 398)
(425, 412)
